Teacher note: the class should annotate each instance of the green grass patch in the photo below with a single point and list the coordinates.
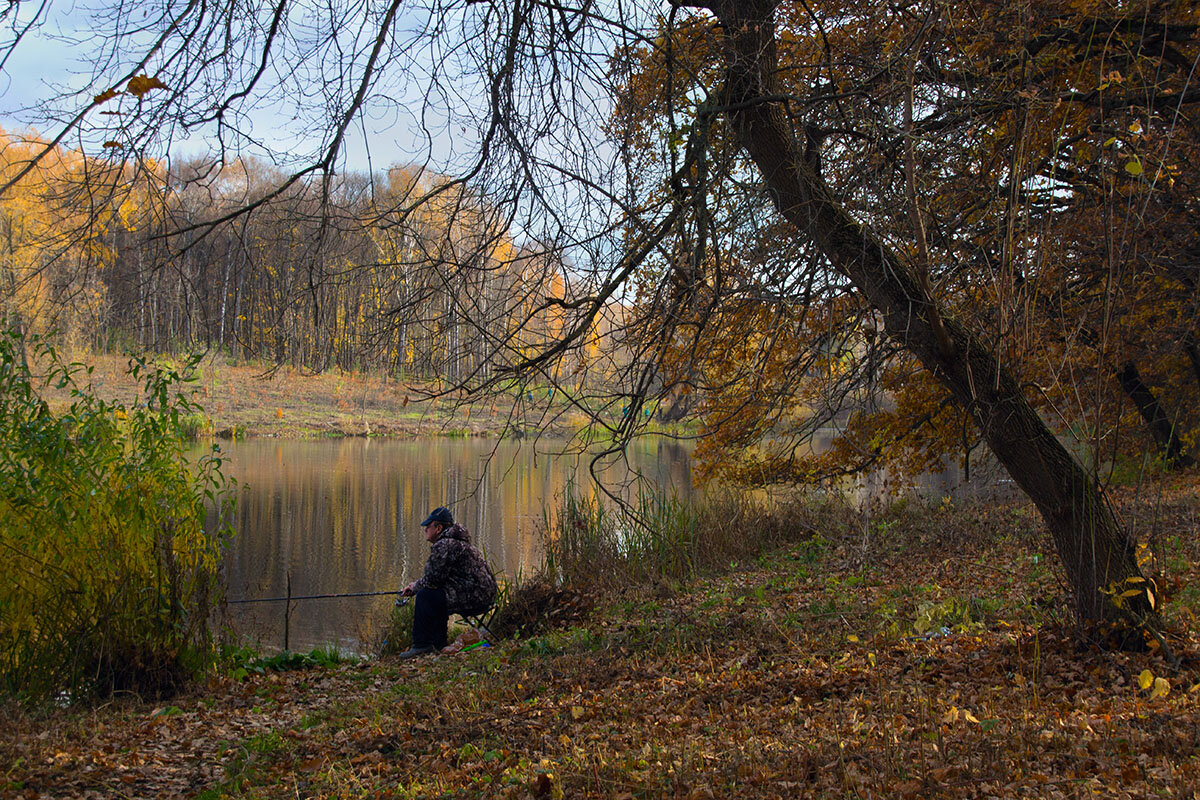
(239, 663)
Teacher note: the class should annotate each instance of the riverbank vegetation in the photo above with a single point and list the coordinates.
(910, 650)
(108, 576)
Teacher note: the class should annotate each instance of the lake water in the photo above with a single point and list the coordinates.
(342, 516)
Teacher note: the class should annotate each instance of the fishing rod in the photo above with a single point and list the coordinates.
(311, 597)
(289, 597)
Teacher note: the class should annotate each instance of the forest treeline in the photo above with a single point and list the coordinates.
(405, 272)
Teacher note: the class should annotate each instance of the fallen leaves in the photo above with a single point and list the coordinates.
(954, 714)
(1158, 686)
(686, 698)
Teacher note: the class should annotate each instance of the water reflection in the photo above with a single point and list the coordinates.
(341, 516)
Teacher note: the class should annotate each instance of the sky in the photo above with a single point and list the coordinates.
(57, 58)
(424, 110)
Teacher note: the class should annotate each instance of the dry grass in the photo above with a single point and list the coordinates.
(257, 399)
(536, 606)
(661, 540)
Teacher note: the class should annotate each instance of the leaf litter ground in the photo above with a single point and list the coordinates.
(919, 653)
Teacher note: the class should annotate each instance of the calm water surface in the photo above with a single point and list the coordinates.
(342, 516)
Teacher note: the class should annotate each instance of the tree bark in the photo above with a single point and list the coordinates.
(1164, 433)
(1094, 549)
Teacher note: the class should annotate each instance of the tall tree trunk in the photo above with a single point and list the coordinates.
(224, 295)
(1164, 433)
(244, 346)
(1094, 549)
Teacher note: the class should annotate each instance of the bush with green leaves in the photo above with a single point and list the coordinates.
(108, 572)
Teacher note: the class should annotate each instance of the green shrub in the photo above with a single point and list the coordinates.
(108, 572)
(194, 426)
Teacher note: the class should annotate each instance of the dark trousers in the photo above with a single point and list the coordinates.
(430, 618)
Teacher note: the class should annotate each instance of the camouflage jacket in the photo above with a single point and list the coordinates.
(458, 568)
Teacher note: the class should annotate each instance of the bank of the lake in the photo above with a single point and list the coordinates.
(261, 400)
(917, 651)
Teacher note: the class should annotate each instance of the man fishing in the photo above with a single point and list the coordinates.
(457, 580)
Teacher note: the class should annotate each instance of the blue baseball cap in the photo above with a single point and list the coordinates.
(440, 514)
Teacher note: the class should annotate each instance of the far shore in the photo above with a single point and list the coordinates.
(257, 400)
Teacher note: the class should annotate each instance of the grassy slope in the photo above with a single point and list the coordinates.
(802, 674)
(256, 402)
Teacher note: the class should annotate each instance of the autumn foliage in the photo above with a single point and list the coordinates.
(109, 573)
(1032, 162)
(405, 272)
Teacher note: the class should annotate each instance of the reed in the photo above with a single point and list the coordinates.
(396, 636)
(659, 536)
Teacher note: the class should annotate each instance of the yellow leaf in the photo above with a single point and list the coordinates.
(951, 715)
(140, 84)
(969, 717)
(1145, 679)
(1162, 688)
(871, 658)
(1131, 593)
(577, 712)
(852, 638)
(1134, 168)
(1150, 596)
